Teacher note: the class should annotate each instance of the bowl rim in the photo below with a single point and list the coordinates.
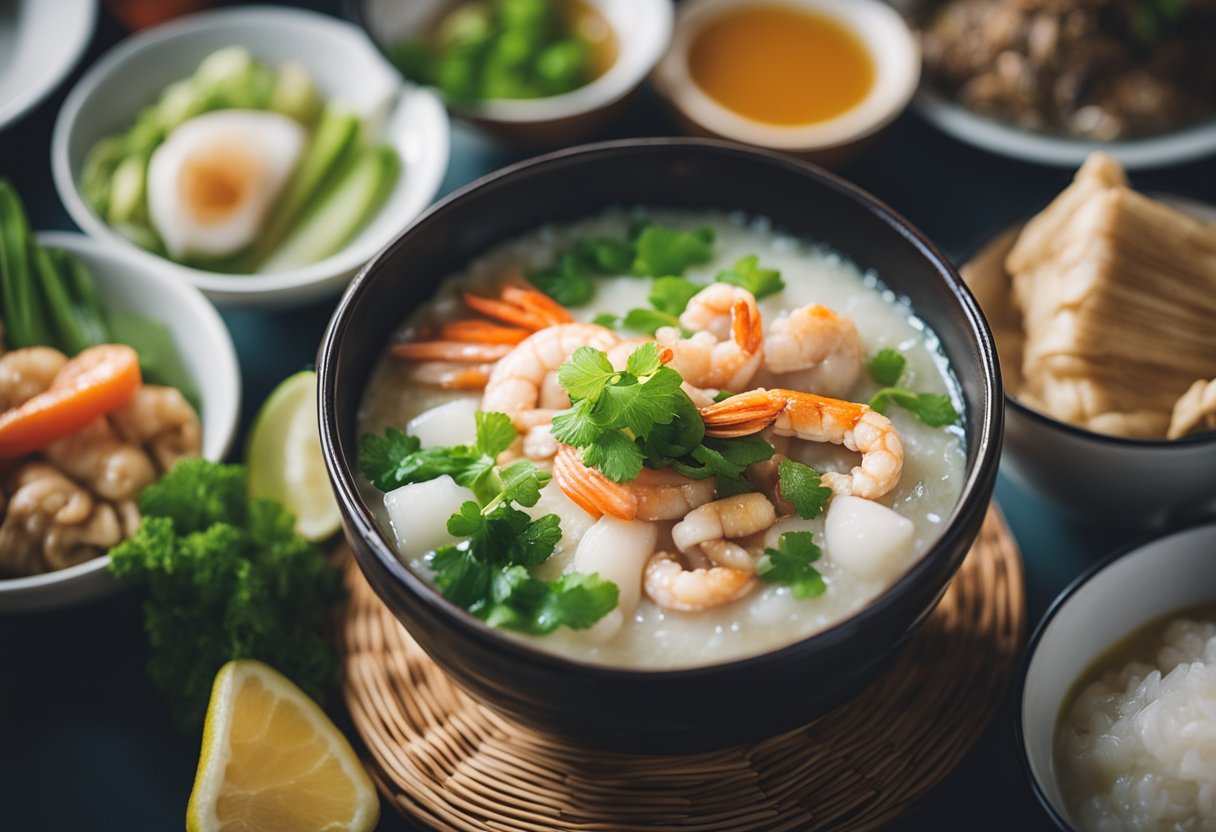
(599, 93)
(868, 116)
(1021, 408)
(1176, 147)
(360, 521)
(69, 56)
(219, 338)
(1032, 645)
(222, 285)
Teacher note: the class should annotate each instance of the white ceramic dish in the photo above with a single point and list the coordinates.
(40, 42)
(344, 66)
(886, 36)
(1085, 472)
(125, 282)
(1115, 598)
(643, 31)
(954, 119)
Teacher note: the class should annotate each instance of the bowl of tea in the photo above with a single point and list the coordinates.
(814, 77)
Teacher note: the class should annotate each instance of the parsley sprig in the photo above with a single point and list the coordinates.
(748, 273)
(790, 564)
(887, 368)
(488, 573)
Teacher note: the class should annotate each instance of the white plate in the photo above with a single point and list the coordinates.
(345, 66)
(207, 351)
(1174, 148)
(40, 42)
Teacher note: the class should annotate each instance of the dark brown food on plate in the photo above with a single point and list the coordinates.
(1096, 69)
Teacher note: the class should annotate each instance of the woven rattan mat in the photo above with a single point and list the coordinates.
(452, 764)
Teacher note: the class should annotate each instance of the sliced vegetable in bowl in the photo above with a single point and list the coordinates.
(282, 154)
(173, 319)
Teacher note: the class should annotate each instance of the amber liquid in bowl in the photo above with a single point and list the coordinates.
(780, 65)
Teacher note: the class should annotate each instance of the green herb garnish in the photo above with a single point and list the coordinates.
(227, 578)
(726, 460)
(790, 564)
(801, 486)
(934, 409)
(672, 294)
(748, 274)
(887, 366)
(665, 251)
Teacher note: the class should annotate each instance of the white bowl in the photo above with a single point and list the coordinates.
(40, 42)
(125, 282)
(887, 38)
(643, 31)
(1115, 598)
(344, 66)
(1183, 145)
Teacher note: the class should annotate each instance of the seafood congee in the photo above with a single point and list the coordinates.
(660, 439)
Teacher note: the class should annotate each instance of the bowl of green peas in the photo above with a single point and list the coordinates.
(537, 73)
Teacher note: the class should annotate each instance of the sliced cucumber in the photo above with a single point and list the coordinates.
(341, 212)
(128, 191)
(295, 95)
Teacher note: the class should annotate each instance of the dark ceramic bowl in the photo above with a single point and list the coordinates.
(640, 710)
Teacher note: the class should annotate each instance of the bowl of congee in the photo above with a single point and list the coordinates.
(660, 444)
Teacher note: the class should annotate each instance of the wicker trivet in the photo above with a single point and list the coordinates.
(452, 764)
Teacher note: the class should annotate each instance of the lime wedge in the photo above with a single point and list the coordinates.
(284, 457)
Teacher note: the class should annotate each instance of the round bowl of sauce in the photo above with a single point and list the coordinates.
(813, 77)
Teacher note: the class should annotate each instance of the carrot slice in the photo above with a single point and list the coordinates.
(97, 381)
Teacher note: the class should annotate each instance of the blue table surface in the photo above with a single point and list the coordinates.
(86, 743)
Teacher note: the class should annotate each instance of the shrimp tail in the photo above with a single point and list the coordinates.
(743, 414)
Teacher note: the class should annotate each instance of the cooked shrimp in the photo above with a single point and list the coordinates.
(823, 347)
(727, 346)
(539, 444)
(517, 380)
(481, 342)
(66, 546)
(818, 419)
(42, 500)
(94, 455)
(162, 421)
(654, 495)
(26, 373)
(670, 585)
(711, 526)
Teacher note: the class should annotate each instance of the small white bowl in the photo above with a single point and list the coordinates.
(343, 65)
(125, 282)
(643, 31)
(1113, 599)
(39, 45)
(887, 38)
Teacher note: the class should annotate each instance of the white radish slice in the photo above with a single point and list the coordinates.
(419, 512)
(866, 538)
(448, 424)
(618, 551)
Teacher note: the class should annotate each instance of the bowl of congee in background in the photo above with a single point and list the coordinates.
(662, 420)
(818, 78)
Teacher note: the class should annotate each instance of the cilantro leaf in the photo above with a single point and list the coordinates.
(679, 437)
(495, 433)
(606, 256)
(672, 294)
(536, 607)
(379, 456)
(640, 405)
(538, 540)
(801, 486)
(577, 426)
(887, 366)
(607, 319)
(644, 360)
(722, 395)
(616, 455)
(648, 321)
(934, 409)
(467, 521)
(568, 281)
(790, 563)
(585, 373)
(669, 251)
(522, 482)
(748, 274)
(726, 460)
(462, 578)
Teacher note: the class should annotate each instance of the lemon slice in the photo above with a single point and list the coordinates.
(272, 761)
(285, 461)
